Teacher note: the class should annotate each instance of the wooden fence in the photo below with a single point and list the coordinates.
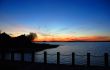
(106, 60)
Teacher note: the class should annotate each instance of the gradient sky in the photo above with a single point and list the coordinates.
(57, 19)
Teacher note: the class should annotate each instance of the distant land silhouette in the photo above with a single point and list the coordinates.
(72, 41)
(22, 43)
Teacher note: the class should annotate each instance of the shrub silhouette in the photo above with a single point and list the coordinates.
(21, 41)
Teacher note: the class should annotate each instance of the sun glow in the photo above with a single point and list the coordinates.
(71, 38)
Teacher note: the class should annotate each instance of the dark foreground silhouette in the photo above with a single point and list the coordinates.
(35, 66)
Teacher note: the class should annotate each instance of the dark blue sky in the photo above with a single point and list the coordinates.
(56, 17)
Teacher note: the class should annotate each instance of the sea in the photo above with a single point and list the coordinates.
(96, 50)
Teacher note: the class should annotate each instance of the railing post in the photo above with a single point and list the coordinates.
(2, 55)
(22, 56)
(33, 56)
(106, 59)
(73, 59)
(12, 56)
(58, 57)
(45, 57)
(88, 59)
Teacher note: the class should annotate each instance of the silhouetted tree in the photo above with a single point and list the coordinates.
(31, 36)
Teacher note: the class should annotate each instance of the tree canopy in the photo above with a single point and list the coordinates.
(32, 36)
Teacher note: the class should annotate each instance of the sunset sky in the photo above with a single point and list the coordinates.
(57, 20)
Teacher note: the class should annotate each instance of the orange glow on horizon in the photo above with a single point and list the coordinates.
(73, 38)
(68, 37)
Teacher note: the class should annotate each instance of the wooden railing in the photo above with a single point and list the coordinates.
(106, 58)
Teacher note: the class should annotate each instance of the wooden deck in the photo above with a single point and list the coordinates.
(7, 65)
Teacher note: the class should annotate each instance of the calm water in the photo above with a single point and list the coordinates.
(97, 50)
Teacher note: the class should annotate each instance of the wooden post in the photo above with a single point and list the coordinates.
(73, 59)
(22, 56)
(45, 57)
(12, 56)
(33, 56)
(88, 59)
(2, 56)
(106, 59)
(58, 57)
